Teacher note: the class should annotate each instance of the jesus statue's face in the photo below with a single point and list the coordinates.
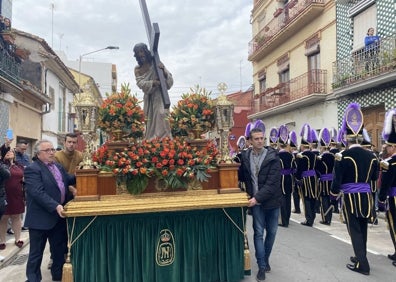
(141, 55)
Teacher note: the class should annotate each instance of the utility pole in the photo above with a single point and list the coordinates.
(52, 24)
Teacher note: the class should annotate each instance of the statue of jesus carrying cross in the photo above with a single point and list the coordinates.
(154, 80)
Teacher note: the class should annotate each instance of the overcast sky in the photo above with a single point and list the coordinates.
(202, 42)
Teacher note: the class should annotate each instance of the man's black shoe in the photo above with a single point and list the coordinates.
(24, 228)
(394, 263)
(296, 211)
(260, 275)
(392, 257)
(353, 259)
(356, 269)
(306, 223)
(9, 231)
(267, 268)
(324, 222)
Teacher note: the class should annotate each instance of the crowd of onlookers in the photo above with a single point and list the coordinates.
(43, 184)
(12, 200)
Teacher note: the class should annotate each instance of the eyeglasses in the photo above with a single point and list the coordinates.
(49, 150)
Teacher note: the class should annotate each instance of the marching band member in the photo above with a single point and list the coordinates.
(354, 168)
(366, 143)
(288, 167)
(388, 179)
(324, 168)
(334, 150)
(292, 141)
(306, 175)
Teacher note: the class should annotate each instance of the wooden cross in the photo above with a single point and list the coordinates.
(153, 34)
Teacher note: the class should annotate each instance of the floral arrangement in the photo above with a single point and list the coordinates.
(122, 111)
(172, 160)
(195, 111)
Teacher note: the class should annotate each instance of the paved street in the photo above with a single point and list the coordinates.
(300, 254)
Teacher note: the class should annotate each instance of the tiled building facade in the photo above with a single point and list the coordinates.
(373, 88)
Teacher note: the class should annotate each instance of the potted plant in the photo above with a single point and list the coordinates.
(173, 161)
(121, 113)
(194, 112)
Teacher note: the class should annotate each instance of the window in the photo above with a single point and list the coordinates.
(361, 23)
(314, 61)
(262, 83)
(284, 76)
(70, 121)
(314, 73)
(51, 92)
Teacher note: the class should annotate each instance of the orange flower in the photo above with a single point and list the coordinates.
(122, 111)
(196, 109)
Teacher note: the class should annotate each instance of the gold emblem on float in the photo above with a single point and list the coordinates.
(165, 254)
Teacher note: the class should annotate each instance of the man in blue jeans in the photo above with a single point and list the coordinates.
(260, 171)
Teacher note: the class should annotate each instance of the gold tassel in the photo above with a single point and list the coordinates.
(67, 274)
(246, 256)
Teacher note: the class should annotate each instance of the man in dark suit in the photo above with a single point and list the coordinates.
(47, 188)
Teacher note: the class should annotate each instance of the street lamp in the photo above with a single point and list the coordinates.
(82, 55)
(87, 112)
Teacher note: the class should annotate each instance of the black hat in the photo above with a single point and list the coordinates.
(352, 123)
(324, 137)
(259, 124)
(388, 133)
(247, 130)
(341, 138)
(314, 136)
(333, 135)
(283, 134)
(293, 139)
(273, 138)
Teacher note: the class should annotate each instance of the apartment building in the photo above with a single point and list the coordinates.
(361, 74)
(292, 51)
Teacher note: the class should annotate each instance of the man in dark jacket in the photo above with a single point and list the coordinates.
(47, 187)
(260, 171)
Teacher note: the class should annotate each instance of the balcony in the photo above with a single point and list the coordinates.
(286, 22)
(307, 89)
(257, 4)
(365, 69)
(10, 68)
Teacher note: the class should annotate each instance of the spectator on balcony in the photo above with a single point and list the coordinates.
(7, 24)
(371, 49)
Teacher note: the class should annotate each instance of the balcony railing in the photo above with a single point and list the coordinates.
(282, 17)
(310, 83)
(365, 63)
(10, 68)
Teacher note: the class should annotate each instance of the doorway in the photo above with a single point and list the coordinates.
(374, 122)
